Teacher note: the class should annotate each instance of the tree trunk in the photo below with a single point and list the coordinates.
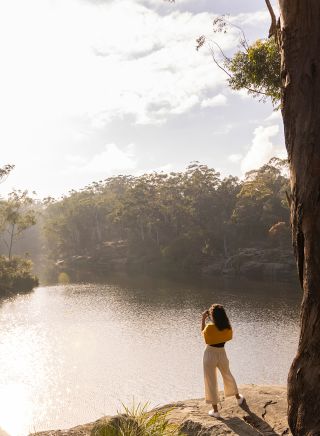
(225, 246)
(300, 47)
(11, 241)
(98, 228)
(142, 231)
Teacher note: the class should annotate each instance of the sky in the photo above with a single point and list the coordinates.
(95, 88)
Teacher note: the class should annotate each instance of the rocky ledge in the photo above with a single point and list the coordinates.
(263, 413)
(256, 263)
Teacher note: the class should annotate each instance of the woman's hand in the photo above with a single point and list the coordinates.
(205, 314)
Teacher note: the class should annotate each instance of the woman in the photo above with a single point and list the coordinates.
(216, 333)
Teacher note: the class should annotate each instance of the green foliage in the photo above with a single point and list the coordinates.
(177, 222)
(261, 201)
(15, 275)
(16, 215)
(256, 68)
(137, 421)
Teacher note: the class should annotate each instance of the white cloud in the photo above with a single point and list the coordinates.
(66, 62)
(275, 116)
(69, 68)
(217, 100)
(223, 129)
(234, 158)
(257, 18)
(110, 160)
(157, 4)
(108, 60)
(262, 149)
(242, 93)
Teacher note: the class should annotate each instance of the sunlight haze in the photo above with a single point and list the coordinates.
(91, 89)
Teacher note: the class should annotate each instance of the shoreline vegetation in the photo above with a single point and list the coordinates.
(264, 412)
(16, 276)
(17, 216)
(192, 222)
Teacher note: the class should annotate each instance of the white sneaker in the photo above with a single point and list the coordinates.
(240, 400)
(214, 414)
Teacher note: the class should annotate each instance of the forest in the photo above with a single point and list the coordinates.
(188, 222)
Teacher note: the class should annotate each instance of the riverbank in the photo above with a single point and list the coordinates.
(252, 263)
(263, 413)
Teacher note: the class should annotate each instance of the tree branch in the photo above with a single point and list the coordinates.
(218, 65)
(255, 91)
(273, 27)
(225, 57)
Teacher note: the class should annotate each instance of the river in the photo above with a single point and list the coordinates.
(70, 354)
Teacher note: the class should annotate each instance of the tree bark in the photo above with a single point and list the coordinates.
(11, 240)
(300, 73)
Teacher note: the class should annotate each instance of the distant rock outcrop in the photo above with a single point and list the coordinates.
(256, 263)
(114, 257)
(263, 413)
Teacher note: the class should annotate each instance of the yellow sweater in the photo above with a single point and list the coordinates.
(212, 335)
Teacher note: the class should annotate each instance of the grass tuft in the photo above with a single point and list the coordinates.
(137, 421)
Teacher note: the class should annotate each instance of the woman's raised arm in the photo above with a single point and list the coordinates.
(204, 317)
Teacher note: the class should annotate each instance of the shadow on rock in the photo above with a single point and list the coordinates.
(257, 424)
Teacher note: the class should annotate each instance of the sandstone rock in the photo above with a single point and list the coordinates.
(263, 413)
(256, 263)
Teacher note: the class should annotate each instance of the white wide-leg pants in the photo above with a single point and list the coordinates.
(214, 358)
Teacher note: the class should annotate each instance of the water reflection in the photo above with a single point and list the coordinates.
(69, 354)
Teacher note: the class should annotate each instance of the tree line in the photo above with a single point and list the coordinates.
(176, 222)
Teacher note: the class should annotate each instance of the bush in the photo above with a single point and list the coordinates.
(137, 421)
(16, 276)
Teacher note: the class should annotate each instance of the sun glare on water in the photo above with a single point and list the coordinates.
(15, 412)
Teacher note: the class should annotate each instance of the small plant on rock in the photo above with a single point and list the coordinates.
(137, 421)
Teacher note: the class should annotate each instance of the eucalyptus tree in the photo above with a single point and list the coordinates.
(227, 193)
(17, 215)
(261, 202)
(297, 34)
